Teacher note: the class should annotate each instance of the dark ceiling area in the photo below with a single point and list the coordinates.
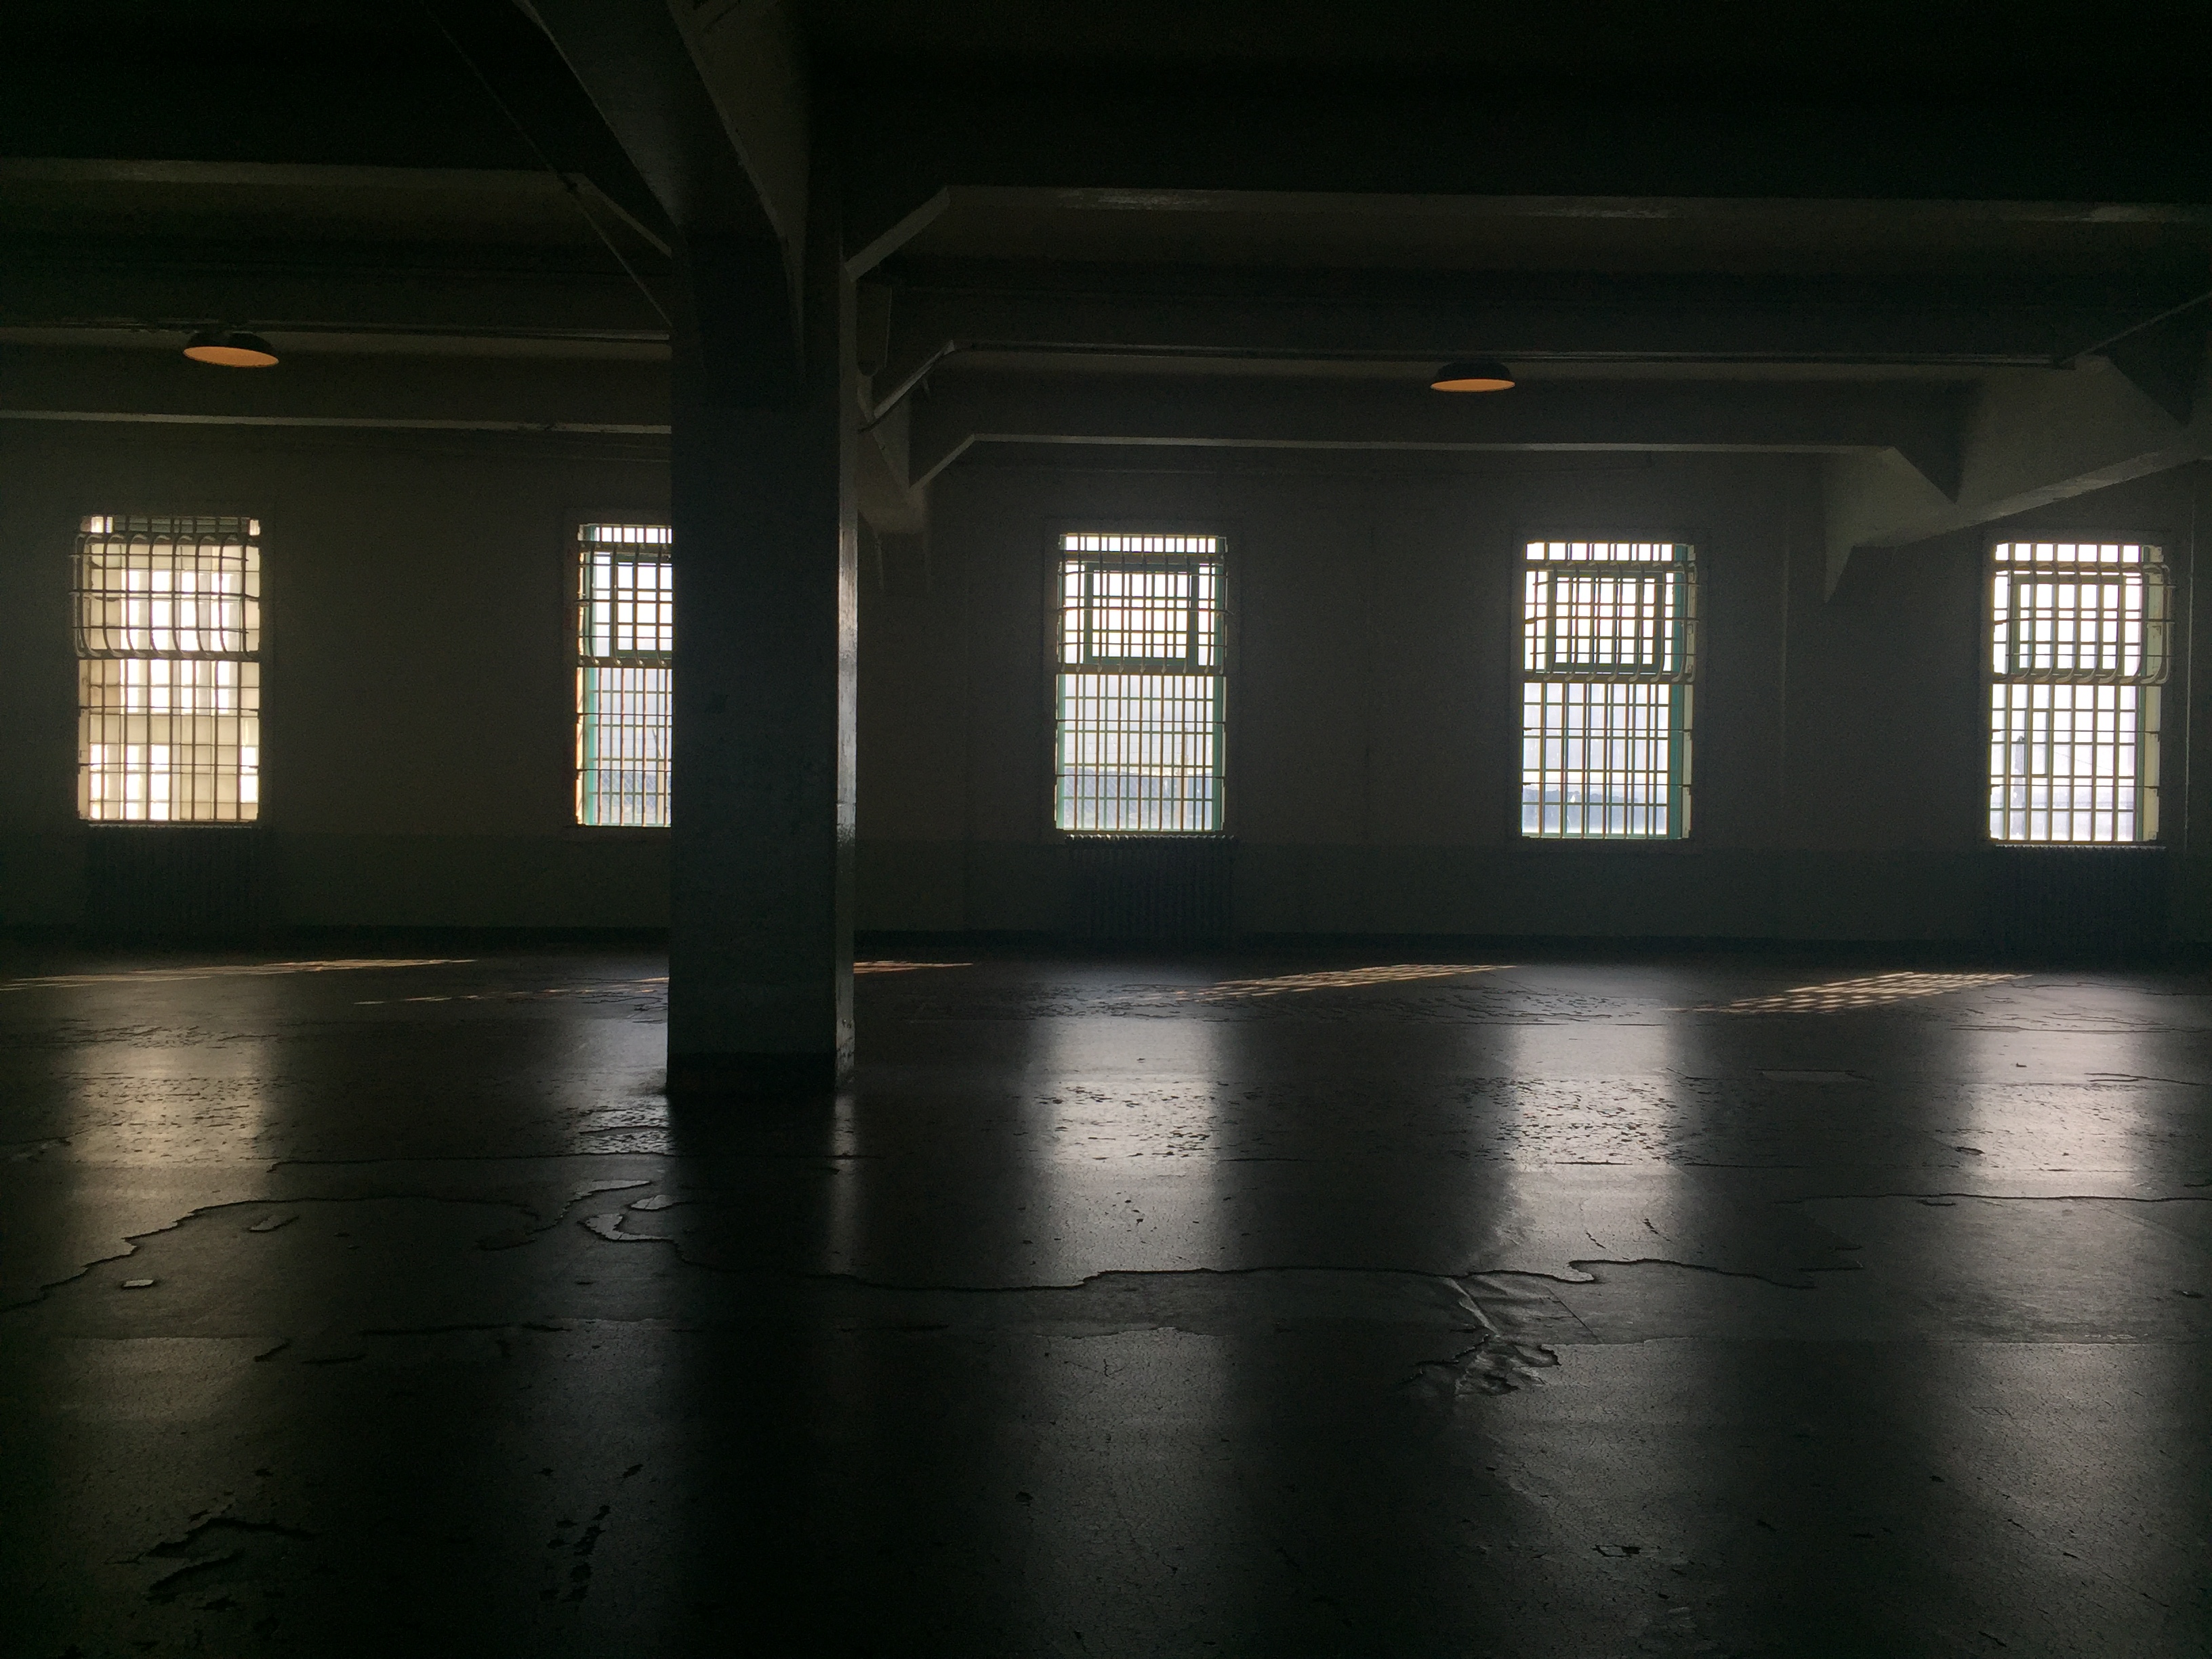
(1777, 51)
(1246, 192)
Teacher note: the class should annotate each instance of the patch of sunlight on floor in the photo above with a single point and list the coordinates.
(1340, 979)
(225, 970)
(1843, 995)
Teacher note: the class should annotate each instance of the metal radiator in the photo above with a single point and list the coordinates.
(2077, 901)
(1153, 888)
(174, 884)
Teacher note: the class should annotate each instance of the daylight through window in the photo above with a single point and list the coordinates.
(625, 643)
(1606, 633)
(2077, 649)
(168, 646)
(1139, 693)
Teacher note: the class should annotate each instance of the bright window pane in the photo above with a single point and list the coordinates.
(1597, 758)
(1606, 659)
(1139, 727)
(626, 641)
(2077, 646)
(168, 633)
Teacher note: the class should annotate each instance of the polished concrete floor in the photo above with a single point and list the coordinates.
(1164, 1306)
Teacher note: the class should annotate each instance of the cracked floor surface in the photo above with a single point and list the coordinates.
(1245, 1305)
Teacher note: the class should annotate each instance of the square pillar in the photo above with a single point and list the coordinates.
(761, 935)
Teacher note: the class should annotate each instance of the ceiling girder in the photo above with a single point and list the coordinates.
(310, 390)
(928, 323)
(327, 296)
(740, 217)
(2029, 440)
(1920, 423)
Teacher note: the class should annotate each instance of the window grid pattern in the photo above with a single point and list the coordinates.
(2077, 649)
(626, 642)
(1607, 636)
(167, 623)
(1139, 695)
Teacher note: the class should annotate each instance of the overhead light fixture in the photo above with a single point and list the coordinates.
(230, 348)
(1481, 374)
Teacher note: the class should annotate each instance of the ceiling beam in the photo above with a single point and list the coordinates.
(2028, 440)
(910, 135)
(301, 289)
(634, 61)
(710, 106)
(1918, 422)
(1524, 320)
(47, 383)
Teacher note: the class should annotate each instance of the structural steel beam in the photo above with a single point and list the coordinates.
(2029, 440)
(1556, 319)
(1918, 422)
(912, 133)
(39, 383)
(634, 62)
(304, 293)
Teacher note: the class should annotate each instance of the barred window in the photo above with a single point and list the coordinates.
(168, 646)
(2077, 651)
(625, 643)
(1139, 689)
(1607, 629)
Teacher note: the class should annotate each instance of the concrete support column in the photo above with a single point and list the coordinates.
(761, 946)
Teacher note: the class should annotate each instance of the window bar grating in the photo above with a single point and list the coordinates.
(167, 623)
(1139, 691)
(625, 646)
(1608, 636)
(2077, 653)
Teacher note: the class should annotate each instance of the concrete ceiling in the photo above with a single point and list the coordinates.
(1654, 53)
(2016, 241)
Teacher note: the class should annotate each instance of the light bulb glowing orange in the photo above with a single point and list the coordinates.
(1473, 377)
(231, 349)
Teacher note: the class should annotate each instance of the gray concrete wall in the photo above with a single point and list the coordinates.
(417, 681)
(417, 689)
(1373, 753)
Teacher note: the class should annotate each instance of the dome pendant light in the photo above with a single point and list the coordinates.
(1480, 374)
(230, 348)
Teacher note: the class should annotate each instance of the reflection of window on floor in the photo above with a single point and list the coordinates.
(1606, 633)
(168, 644)
(2077, 649)
(1139, 695)
(625, 642)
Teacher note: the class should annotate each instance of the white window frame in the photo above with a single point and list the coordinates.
(168, 669)
(1075, 653)
(605, 633)
(2045, 671)
(1659, 679)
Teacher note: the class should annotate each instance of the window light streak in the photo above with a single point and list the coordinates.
(1845, 995)
(1341, 979)
(1139, 699)
(626, 643)
(1607, 632)
(168, 637)
(227, 970)
(623, 989)
(903, 967)
(2077, 647)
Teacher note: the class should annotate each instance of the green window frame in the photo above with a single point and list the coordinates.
(2078, 636)
(1139, 687)
(625, 665)
(1608, 661)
